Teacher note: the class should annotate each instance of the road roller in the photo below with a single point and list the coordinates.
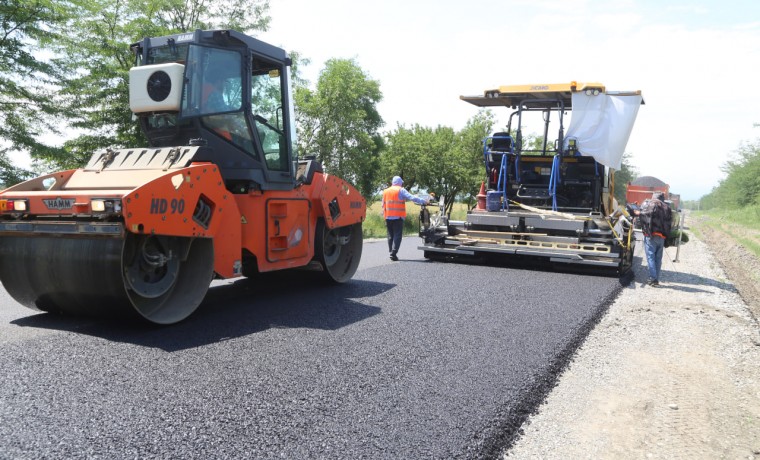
(218, 192)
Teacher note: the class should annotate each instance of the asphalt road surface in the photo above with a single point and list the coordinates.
(410, 359)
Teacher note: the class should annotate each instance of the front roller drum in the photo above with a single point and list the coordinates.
(160, 279)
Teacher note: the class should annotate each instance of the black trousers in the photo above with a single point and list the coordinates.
(395, 232)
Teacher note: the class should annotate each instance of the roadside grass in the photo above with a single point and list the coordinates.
(741, 225)
(374, 224)
(746, 217)
(694, 225)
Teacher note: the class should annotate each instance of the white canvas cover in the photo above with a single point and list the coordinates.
(602, 124)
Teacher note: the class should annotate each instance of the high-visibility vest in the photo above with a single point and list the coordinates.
(394, 206)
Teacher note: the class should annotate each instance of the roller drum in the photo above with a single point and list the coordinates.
(160, 279)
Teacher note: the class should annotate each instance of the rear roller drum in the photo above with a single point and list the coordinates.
(166, 278)
(338, 250)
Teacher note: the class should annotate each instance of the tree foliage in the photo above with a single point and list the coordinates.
(339, 123)
(440, 159)
(741, 186)
(96, 55)
(246, 16)
(27, 83)
(626, 174)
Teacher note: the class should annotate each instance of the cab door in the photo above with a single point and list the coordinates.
(272, 117)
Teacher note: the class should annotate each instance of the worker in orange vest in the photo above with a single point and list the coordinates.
(394, 212)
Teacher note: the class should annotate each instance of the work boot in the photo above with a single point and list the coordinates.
(394, 257)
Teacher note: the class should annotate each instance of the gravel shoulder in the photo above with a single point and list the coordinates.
(669, 372)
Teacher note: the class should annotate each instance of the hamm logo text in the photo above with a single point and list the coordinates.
(59, 203)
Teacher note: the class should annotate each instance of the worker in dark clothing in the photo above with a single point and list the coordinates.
(394, 213)
(656, 219)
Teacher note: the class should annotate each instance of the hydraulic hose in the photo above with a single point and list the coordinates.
(502, 184)
(554, 180)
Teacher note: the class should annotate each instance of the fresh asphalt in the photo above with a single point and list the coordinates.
(409, 359)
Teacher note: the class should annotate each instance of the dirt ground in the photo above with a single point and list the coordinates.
(741, 266)
(671, 371)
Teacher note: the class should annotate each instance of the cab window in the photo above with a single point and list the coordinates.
(233, 128)
(214, 92)
(266, 107)
(213, 79)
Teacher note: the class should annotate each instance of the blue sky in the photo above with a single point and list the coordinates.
(694, 61)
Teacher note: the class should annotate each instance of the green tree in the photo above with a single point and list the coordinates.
(471, 151)
(339, 123)
(27, 82)
(246, 16)
(439, 159)
(412, 153)
(741, 186)
(626, 174)
(9, 173)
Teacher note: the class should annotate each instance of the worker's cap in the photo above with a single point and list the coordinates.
(397, 180)
(659, 195)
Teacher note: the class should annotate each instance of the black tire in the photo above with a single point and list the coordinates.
(626, 262)
(192, 279)
(338, 250)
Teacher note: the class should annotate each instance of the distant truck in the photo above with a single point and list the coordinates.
(676, 199)
(643, 187)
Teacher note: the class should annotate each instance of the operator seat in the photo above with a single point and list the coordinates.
(501, 142)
